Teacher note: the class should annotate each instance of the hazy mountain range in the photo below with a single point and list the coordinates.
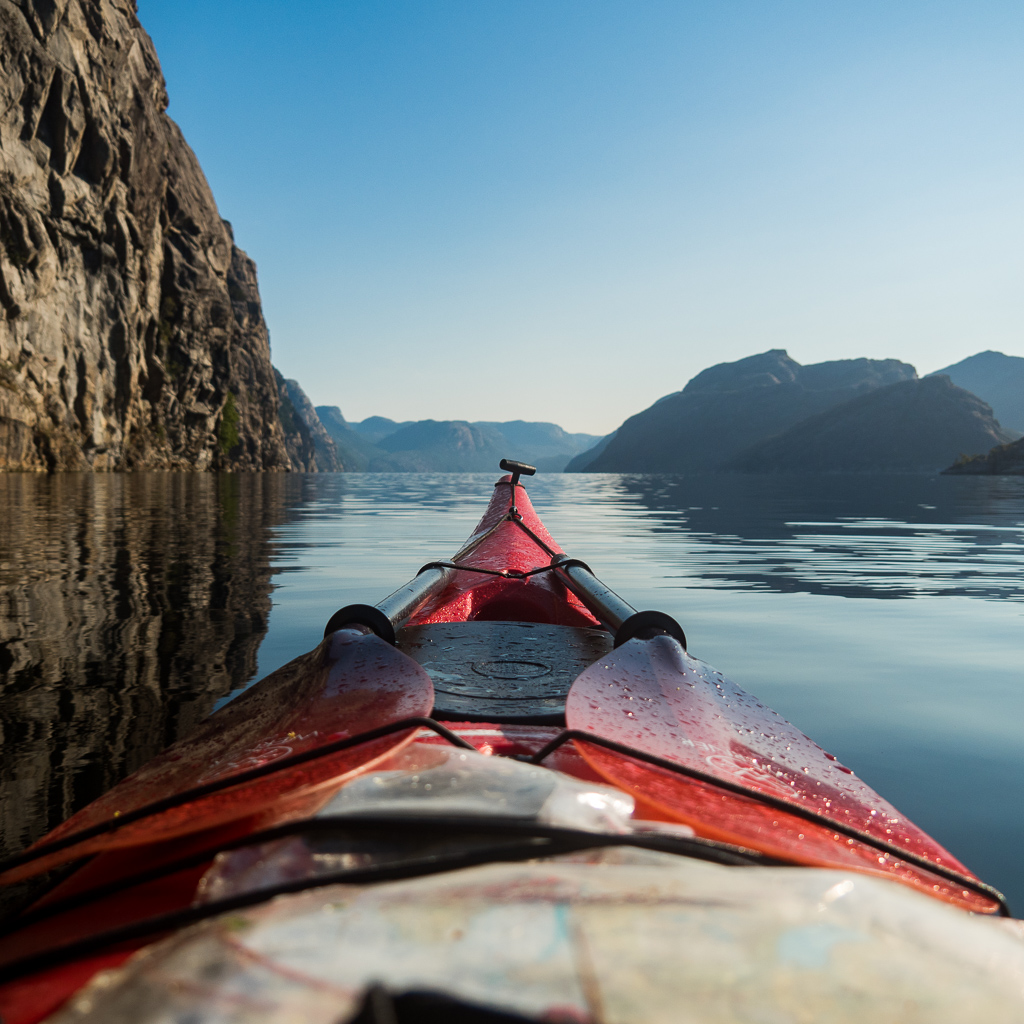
(764, 413)
(767, 413)
(381, 445)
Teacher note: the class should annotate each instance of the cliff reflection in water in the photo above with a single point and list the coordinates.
(128, 606)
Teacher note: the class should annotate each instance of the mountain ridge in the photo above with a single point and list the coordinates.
(729, 406)
(997, 379)
(379, 444)
(915, 425)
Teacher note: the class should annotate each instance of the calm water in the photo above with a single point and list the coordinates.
(883, 616)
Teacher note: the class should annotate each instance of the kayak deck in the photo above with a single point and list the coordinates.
(502, 671)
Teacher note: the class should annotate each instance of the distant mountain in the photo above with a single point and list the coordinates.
(995, 378)
(448, 446)
(913, 425)
(1003, 460)
(378, 444)
(544, 445)
(353, 451)
(729, 407)
(375, 428)
(578, 463)
(331, 417)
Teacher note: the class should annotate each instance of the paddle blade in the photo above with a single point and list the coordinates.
(652, 696)
(352, 683)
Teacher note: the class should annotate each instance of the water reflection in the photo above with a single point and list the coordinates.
(128, 604)
(849, 536)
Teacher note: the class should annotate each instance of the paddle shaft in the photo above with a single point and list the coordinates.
(390, 614)
(620, 617)
(602, 601)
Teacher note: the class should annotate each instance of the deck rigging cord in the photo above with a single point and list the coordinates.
(186, 796)
(786, 806)
(217, 785)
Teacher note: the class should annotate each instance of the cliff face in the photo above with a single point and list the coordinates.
(729, 407)
(911, 426)
(310, 446)
(131, 333)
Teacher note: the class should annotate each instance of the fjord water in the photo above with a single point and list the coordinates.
(884, 616)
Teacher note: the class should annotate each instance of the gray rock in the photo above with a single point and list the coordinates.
(299, 418)
(131, 332)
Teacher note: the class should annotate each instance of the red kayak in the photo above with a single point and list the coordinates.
(507, 673)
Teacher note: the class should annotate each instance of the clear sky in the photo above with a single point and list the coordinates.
(564, 209)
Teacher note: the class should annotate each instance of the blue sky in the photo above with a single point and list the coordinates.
(564, 209)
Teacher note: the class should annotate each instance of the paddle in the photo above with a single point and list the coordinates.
(652, 696)
(351, 683)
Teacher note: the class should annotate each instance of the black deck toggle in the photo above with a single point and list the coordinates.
(517, 469)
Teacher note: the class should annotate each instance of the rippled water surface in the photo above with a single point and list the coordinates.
(884, 616)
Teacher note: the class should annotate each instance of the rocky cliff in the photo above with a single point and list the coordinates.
(310, 447)
(730, 406)
(131, 332)
(911, 426)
